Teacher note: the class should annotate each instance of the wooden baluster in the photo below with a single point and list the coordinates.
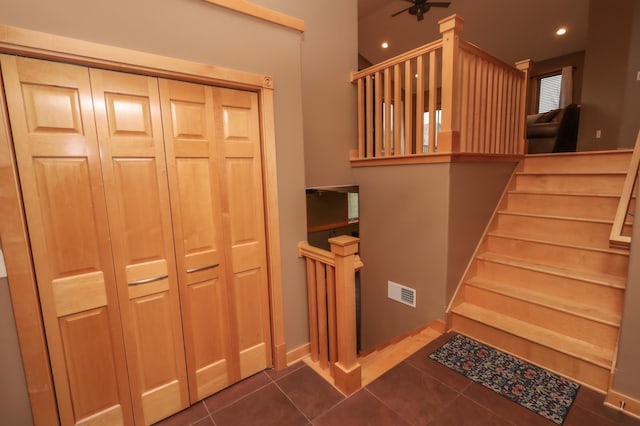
(449, 138)
(397, 109)
(361, 117)
(331, 316)
(419, 104)
(482, 137)
(408, 107)
(313, 309)
(466, 102)
(378, 113)
(347, 370)
(524, 66)
(388, 124)
(369, 121)
(502, 146)
(490, 145)
(433, 100)
(321, 300)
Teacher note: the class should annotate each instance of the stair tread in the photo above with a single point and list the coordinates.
(572, 172)
(580, 349)
(561, 304)
(594, 278)
(557, 217)
(556, 243)
(567, 194)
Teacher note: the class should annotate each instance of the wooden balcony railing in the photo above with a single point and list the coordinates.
(446, 97)
(332, 309)
(620, 236)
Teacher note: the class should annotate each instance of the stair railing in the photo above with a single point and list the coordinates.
(331, 295)
(620, 236)
(445, 97)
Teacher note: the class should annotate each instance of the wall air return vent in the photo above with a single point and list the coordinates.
(401, 294)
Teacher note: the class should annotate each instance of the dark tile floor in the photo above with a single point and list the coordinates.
(418, 391)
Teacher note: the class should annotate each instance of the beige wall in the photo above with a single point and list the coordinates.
(403, 230)
(14, 402)
(475, 189)
(630, 115)
(419, 225)
(605, 74)
(627, 373)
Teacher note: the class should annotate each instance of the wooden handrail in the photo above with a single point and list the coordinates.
(332, 308)
(477, 100)
(616, 239)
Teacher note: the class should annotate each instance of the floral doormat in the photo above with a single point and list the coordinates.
(539, 390)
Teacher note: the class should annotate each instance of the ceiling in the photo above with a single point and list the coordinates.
(511, 30)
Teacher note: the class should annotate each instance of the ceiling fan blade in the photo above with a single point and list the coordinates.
(401, 11)
(439, 3)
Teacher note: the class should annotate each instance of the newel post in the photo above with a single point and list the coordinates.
(347, 373)
(525, 66)
(449, 136)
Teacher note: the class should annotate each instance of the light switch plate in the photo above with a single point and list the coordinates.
(3, 269)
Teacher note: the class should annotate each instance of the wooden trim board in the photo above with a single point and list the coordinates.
(261, 12)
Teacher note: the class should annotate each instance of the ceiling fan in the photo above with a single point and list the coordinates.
(420, 7)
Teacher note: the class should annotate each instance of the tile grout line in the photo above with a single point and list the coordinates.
(211, 413)
(291, 401)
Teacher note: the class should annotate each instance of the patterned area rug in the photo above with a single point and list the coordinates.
(539, 390)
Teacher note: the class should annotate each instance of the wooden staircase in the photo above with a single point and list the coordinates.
(544, 284)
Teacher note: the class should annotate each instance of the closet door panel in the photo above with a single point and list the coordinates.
(56, 148)
(195, 205)
(87, 344)
(238, 135)
(129, 125)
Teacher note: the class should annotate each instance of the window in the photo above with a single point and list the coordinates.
(352, 207)
(425, 136)
(549, 92)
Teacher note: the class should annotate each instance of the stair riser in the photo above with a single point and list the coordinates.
(589, 234)
(550, 319)
(558, 362)
(583, 206)
(608, 299)
(615, 161)
(582, 184)
(561, 256)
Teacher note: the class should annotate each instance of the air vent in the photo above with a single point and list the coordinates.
(401, 294)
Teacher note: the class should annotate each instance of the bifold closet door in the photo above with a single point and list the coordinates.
(212, 140)
(129, 126)
(240, 162)
(51, 113)
(197, 219)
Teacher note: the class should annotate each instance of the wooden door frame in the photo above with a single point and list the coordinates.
(13, 232)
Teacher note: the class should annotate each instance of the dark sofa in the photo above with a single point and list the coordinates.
(553, 131)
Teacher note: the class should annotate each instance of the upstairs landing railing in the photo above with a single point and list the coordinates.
(446, 97)
(620, 236)
(331, 295)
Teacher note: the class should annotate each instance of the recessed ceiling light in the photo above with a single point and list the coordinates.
(384, 45)
(561, 31)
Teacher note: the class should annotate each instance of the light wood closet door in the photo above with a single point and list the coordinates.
(129, 125)
(196, 208)
(57, 153)
(238, 142)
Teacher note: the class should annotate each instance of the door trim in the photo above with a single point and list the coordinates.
(13, 232)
